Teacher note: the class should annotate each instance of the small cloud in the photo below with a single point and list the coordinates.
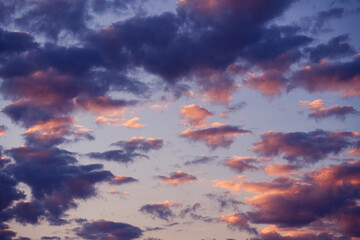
(201, 160)
(159, 210)
(118, 180)
(217, 135)
(195, 115)
(240, 164)
(140, 144)
(238, 221)
(178, 177)
(2, 130)
(133, 123)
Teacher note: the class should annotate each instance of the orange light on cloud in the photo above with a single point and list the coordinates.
(133, 123)
(195, 115)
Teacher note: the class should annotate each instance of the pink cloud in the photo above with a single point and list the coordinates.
(133, 123)
(195, 115)
(217, 135)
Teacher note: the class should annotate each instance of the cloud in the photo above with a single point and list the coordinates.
(6, 233)
(335, 48)
(102, 104)
(201, 160)
(338, 77)
(140, 144)
(328, 194)
(133, 123)
(2, 130)
(159, 210)
(178, 177)
(195, 115)
(53, 132)
(103, 229)
(225, 201)
(189, 35)
(8, 190)
(118, 180)
(55, 180)
(190, 210)
(51, 18)
(321, 112)
(305, 236)
(356, 150)
(238, 221)
(116, 155)
(15, 42)
(50, 238)
(302, 147)
(218, 135)
(240, 164)
(280, 169)
(273, 58)
(317, 23)
(27, 212)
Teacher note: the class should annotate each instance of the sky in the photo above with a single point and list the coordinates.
(173, 120)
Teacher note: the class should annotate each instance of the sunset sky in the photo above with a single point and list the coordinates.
(180, 120)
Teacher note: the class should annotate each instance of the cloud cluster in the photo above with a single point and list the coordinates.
(103, 229)
(302, 147)
(56, 182)
(159, 210)
(217, 135)
(178, 177)
(321, 112)
(328, 194)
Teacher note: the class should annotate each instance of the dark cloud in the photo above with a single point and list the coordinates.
(55, 180)
(27, 212)
(50, 238)
(183, 44)
(140, 144)
(116, 155)
(339, 77)
(333, 49)
(337, 111)
(273, 55)
(51, 18)
(329, 194)
(6, 233)
(178, 177)
(303, 147)
(15, 42)
(305, 236)
(225, 201)
(201, 160)
(319, 22)
(321, 112)
(103, 229)
(8, 190)
(218, 135)
(189, 210)
(23, 238)
(159, 210)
